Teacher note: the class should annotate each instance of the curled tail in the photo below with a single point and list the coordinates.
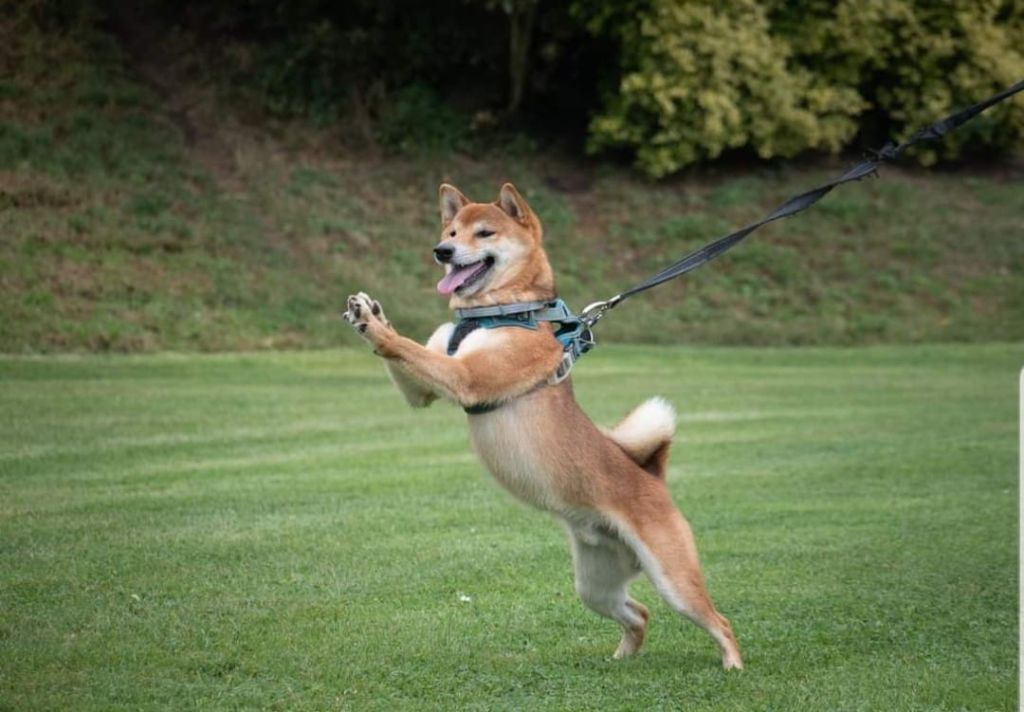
(646, 434)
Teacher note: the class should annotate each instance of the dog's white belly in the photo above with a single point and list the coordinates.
(514, 446)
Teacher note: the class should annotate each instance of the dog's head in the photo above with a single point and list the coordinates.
(491, 252)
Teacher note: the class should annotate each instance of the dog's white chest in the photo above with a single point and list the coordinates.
(511, 445)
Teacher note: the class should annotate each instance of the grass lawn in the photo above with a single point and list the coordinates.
(279, 531)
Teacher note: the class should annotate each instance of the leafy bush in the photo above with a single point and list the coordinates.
(703, 77)
(698, 77)
(914, 61)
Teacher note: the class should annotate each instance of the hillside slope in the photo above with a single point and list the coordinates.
(137, 213)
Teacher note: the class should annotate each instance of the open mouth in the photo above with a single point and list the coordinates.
(464, 276)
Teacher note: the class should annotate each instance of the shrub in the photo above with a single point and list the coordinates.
(914, 61)
(779, 77)
(703, 77)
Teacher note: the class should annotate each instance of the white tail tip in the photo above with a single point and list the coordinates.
(646, 428)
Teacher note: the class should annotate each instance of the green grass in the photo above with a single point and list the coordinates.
(278, 531)
(120, 234)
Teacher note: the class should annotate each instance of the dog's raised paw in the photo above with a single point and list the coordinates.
(365, 314)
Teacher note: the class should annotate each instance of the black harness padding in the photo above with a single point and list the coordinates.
(568, 329)
(481, 408)
(463, 329)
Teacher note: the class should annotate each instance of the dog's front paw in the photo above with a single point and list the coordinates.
(367, 317)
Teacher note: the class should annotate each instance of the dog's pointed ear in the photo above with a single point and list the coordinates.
(514, 204)
(452, 201)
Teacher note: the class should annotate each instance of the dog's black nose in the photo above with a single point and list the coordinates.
(444, 253)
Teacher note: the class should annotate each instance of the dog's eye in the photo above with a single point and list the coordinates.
(484, 233)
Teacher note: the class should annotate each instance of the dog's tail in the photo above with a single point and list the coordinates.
(646, 434)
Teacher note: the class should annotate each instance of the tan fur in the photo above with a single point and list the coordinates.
(608, 487)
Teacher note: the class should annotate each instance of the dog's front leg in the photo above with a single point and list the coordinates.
(483, 377)
(413, 364)
(367, 317)
(417, 393)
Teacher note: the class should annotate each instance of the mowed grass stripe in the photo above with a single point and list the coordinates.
(280, 531)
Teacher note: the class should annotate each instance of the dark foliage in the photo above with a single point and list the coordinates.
(409, 74)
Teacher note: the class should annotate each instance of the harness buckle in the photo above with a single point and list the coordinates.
(564, 366)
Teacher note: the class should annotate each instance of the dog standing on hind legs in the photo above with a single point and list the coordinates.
(607, 486)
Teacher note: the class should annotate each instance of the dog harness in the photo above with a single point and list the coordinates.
(571, 332)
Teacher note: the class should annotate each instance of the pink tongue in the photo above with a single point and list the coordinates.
(455, 279)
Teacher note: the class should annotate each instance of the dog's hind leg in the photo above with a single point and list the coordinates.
(664, 544)
(604, 568)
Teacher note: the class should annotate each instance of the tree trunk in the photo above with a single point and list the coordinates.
(521, 22)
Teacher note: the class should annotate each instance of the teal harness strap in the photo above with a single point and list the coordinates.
(500, 309)
(570, 331)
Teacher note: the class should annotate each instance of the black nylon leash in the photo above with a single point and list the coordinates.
(592, 313)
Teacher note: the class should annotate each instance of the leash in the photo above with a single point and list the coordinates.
(575, 333)
(592, 313)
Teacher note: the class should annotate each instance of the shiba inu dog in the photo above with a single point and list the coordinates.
(607, 486)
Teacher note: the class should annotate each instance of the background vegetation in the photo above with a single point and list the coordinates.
(193, 176)
(779, 78)
(670, 81)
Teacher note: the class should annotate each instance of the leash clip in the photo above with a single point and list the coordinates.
(592, 313)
